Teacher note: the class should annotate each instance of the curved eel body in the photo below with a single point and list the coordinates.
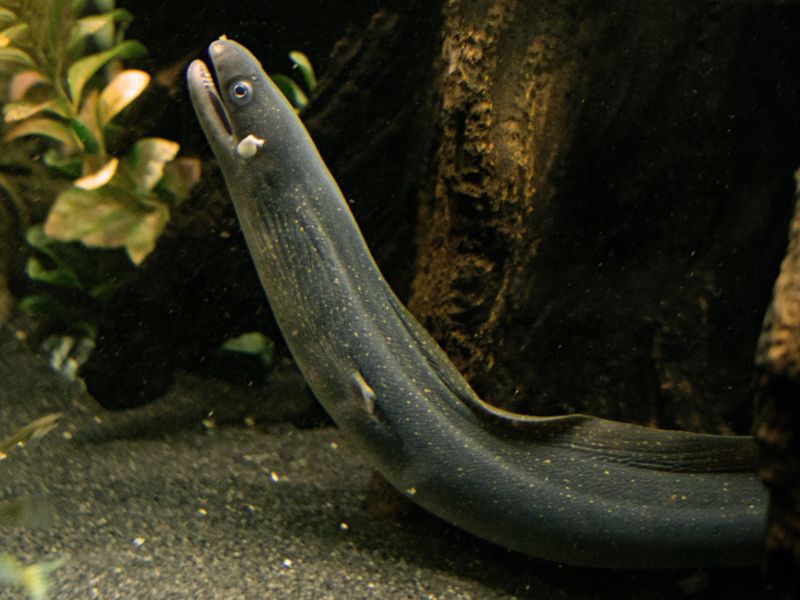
(573, 489)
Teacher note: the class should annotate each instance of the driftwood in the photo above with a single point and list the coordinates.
(778, 426)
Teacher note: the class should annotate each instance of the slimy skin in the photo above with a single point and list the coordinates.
(573, 489)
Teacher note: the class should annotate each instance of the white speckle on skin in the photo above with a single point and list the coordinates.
(248, 147)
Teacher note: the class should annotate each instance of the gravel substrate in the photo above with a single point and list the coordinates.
(237, 512)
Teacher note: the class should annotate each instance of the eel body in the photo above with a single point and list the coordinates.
(573, 488)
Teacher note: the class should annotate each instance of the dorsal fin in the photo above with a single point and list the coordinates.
(364, 395)
(669, 450)
(454, 381)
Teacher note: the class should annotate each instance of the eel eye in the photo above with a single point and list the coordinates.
(240, 92)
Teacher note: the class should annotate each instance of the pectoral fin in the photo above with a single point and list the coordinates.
(364, 395)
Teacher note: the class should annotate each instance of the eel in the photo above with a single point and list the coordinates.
(573, 489)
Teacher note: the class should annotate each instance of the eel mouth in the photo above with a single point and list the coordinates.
(206, 98)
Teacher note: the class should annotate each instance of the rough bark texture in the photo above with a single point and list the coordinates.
(599, 234)
(778, 425)
(594, 193)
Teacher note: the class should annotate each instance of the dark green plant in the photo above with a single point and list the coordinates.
(34, 579)
(254, 344)
(73, 282)
(68, 94)
(290, 88)
(68, 86)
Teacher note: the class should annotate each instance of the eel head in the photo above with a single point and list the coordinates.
(240, 109)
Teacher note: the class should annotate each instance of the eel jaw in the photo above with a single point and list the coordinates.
(208, 105)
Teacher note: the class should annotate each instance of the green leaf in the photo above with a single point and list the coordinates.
(34, 579)
(19, 111)
(82, 70)
(16, 57)
(142, 235)
(24, 81)
(303, 65)
(36, 238)
(107, 217)
(62, 276)
(13, 34)
(102, 292)
(87, 138)
(70, 166)
(99, 178)
(92, 134)
(253, 343)
(89, 25)
(291, 90)
(104, 5)
(97, 215)
(49, 128)
(32, 431)
(123, 89)
(145, 162)
(7, 17)
(63, 255)
(180, 176)
(41, 305)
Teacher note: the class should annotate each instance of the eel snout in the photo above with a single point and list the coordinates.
(207, 101)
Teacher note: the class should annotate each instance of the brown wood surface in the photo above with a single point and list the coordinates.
(778, 419)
